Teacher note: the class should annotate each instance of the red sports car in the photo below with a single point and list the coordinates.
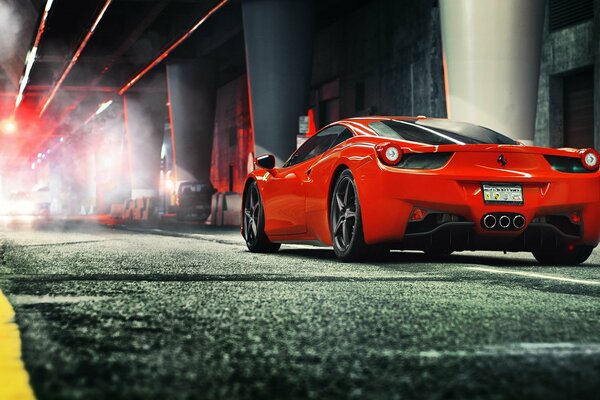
(372, 184)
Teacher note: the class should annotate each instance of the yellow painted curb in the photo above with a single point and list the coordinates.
(14, 380)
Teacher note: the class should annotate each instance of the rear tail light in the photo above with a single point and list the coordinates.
(590, 159)
(567, 164)
(575, 217)
(418, 214)
(389, 153)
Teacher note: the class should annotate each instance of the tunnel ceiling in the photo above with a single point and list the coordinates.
(131, 34)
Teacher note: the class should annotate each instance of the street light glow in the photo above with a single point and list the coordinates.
(9, 126)
(103, 107)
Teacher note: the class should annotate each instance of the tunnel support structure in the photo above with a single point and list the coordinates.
(492, 60)
(192, 89)
(145, 117)
(279, 44)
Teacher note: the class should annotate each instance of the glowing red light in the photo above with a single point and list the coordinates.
(312, 128)
(418, 214)
(575, 217)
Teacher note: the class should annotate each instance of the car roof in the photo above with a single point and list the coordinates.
(360, 125)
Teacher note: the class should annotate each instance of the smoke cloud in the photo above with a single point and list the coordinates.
(10, 28)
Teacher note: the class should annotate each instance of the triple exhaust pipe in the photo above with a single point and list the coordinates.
(503, 221)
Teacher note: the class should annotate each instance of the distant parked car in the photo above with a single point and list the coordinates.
(194, 199)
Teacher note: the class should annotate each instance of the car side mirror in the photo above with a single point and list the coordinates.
(266, 161)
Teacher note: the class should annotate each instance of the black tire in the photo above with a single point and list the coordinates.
(254, 223)
(563, 256)
(346, 222)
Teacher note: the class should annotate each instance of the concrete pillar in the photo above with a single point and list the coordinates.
(492, 60)
(145, 116)
(279, 37)
(192, 99)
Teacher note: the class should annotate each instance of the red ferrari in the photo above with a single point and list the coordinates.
(366, 185)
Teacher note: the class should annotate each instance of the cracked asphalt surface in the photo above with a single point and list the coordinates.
(189, 313)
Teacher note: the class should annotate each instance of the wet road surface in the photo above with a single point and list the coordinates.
(106, 312)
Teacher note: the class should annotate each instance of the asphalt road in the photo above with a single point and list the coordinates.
(123, 314)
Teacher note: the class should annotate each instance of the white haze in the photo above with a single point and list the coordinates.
(10, 27)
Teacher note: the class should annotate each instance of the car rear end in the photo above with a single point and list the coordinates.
(497, 197)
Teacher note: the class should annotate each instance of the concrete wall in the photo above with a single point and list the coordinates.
(563, 52)
(393, 49)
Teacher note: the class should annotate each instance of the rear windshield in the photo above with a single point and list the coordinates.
(195, 188)
(439, 132)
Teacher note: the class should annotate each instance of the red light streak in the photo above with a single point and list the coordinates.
(170, 48)
(173, 147)
(75, 58)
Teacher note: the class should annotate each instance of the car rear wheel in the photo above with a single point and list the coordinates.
(346, 222)
(254, 223)
(563, 255)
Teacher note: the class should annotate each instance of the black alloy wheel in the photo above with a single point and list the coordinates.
(254, 223)
(563, 255)
(346, 221)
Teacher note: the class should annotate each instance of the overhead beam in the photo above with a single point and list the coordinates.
(55, 59)
(78, 52)
(97, 89)
(108, 62)
(164, 54)
(139, 30)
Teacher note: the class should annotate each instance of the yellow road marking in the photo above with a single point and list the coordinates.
(534, 275)
(14, 380)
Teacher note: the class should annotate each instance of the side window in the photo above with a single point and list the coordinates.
(316, 145)
(342, 137)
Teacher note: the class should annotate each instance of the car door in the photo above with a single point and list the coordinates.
(284, 192)
(321, 171)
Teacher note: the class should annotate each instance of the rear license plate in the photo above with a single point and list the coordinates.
(498, 193)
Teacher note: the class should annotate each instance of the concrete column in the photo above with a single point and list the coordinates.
(492, 60)
(145, 116)
(192, 98)
(279, 38)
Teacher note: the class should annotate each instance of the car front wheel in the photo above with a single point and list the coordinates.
(254, 223)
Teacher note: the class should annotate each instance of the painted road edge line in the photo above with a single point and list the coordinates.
(535, 275)
(14, 380)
